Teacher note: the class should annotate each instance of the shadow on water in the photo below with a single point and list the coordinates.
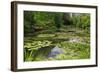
(48, 52)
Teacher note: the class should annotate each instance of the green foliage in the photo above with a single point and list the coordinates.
(37, 44)
(82, 21)
(32, 47)
(71, 50)
(58, 20)
(47, 29)
(85, 21)
(46, 20)
(28, 21)
(74, 50)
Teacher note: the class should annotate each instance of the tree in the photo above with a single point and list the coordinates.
(58, 20)
(29, 21)
(67, 18)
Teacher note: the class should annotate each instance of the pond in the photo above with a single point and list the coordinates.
(57, 46)
(55, 51)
